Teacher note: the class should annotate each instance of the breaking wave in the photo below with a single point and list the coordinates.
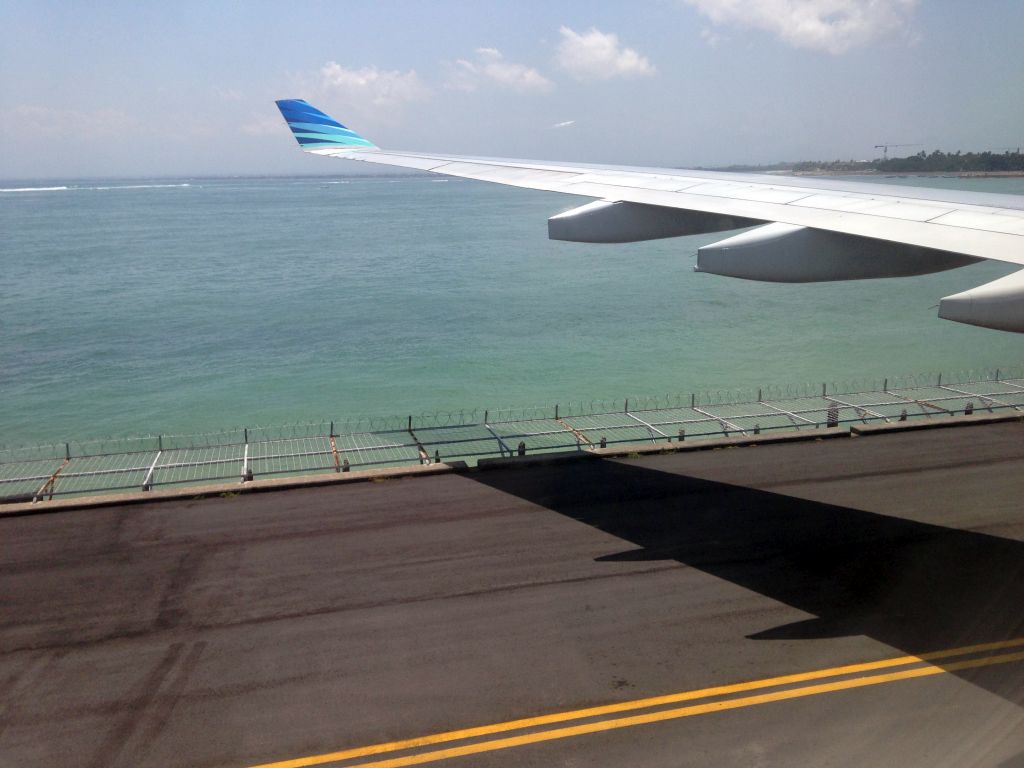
(32, 189)
(82, 188)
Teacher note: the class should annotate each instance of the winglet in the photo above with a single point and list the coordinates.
(316, 131)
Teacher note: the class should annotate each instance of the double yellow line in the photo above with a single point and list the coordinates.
(851, 676)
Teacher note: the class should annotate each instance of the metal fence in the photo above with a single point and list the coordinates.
(142, 463)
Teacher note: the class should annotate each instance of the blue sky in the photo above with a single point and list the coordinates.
(187, 88)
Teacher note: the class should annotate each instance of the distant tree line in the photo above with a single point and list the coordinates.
(923, 162)
(805, 166)
(939, 161)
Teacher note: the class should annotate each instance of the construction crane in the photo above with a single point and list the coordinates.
(885, 148)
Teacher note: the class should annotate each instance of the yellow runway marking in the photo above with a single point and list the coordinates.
(668, 714)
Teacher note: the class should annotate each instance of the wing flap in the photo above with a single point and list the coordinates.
(839, 203)
(639, 181)
(1010, 223)
(401, 161)
(753, 192)
(907, 211)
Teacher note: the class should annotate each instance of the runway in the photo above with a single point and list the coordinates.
(855, 601)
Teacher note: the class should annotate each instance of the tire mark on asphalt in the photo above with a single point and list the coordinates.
(136, 703)
(152, 723)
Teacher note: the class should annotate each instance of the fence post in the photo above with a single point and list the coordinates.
(832, 416)
(245, 435)
(486, 417)
(627, 405)
(885, 384)
(67, 451)
(823, 389)
(331, 429)
(997, 374)
(410, 423)
(940, 380)
(759, 394)
(556, 411)
(693, 399)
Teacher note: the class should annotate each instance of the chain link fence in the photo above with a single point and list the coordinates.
(120, 464)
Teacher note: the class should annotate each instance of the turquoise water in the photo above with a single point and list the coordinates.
(187, 306)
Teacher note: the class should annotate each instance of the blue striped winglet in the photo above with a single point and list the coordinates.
(315, 130)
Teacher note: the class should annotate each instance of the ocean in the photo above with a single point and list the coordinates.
(183, 306)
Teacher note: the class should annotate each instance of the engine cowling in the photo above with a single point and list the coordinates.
(608, 221)
(998, 305)
(785, 253)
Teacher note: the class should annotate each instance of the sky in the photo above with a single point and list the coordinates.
(144, 89)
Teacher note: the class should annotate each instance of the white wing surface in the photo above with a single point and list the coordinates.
(809, 230)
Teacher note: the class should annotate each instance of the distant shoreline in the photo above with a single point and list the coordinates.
(921, 174)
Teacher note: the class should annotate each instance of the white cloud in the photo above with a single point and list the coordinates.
(595, 55)
(564, 124)
(372, 86)
(491, 65)
(834, 26)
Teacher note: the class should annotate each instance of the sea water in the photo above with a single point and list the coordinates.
(179, 306)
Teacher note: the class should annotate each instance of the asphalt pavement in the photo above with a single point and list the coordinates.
(854, 601)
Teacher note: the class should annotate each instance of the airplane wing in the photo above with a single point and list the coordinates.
(806, 230)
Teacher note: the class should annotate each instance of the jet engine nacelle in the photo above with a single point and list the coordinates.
(785, 253)
(999, 304)
(608, 221)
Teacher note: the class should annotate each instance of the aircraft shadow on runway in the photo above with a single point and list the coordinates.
(913, 586)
